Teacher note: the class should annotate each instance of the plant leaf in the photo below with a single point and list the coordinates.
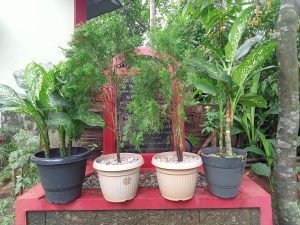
(253, 100)
(60, 119)
(267, 147)
(261, 169)
(188, 7)
(210, 70)
(47, 87)
(252, 61)
(205, 86)
(90, 118)
(20, 80)
(11, 101)
(245, 48)
(256, 150)
(236, 33)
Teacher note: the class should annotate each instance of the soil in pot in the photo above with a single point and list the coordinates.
(177, 180)
(119, 181)
(62, 178)
(224, 175)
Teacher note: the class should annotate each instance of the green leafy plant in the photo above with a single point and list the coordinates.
(211, 121)
(161, 97)
(6, 211)
(93, 49)
(19, 160)
(226, 78)
(46, 104)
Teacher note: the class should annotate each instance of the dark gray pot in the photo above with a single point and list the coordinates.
(62, 178)
(224, 175)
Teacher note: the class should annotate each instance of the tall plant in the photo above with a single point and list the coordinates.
(161, 89)
(226, 78)
(93, 50)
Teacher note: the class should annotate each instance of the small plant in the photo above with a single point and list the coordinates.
(25, 172)
(6, 211)
(211, 121)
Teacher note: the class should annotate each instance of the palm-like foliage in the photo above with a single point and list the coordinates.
(227, 82)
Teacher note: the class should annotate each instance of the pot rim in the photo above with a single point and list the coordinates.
(59, 161)
(207, 155)
(176, 166)
(123, 167)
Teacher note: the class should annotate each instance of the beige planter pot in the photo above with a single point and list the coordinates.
(119, 183)
(177, 181)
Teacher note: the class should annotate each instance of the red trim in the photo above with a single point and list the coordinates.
(251, 196)
(79, 12)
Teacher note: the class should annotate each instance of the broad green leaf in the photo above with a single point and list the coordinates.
(297, 169)
(256, 150)
(298, 185)
(236, 130)
(90, 118)
(212, 17)
(47, 87)
(298, 142)
(245, 48)
(11, 101)
(261, 169)
(210, 70)
(188, 7)
(20, 80)
(205, 86)
(197, 11)
(267, 147)
(252, 61)
(33, 76)
(57, 101)
(60, 119)
(253, 100)
(236, 33)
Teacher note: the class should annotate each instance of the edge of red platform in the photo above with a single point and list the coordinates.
(251, 196)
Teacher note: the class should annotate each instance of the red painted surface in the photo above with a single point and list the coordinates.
(251, 196)
(79, 12)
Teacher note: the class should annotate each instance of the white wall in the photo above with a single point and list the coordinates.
(32, 30)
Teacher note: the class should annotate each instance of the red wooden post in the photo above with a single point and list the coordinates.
(79, 12)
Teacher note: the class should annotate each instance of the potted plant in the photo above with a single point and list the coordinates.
(161, 92)
(95, 47)
(61, 169)
(224, 166)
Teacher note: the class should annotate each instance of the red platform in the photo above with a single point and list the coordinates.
(251, 196)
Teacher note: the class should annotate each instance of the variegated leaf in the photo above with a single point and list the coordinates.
(252, 62)
(236, 33)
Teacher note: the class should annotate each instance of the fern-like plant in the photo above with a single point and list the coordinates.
(161, 90)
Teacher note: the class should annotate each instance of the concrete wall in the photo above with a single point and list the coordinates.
(148, 217)
(32, 30)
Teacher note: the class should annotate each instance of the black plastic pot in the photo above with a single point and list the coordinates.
(224, 175)
(62, 178)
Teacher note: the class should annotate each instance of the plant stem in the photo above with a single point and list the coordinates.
(69, 147)
(62, 140)
(227, 129)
